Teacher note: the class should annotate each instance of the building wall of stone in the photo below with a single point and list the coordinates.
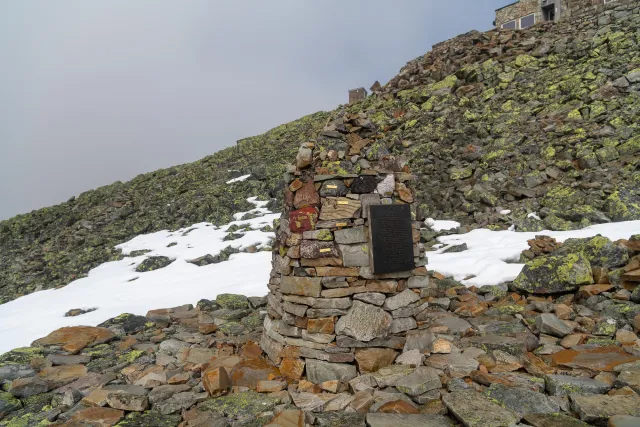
(595, 8)
(517, 11)
(328, 313)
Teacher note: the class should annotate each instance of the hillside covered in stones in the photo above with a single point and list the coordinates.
(542, 120)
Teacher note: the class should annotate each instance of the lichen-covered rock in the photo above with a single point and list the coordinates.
(554, 274)
(153, 263)
(599, 250)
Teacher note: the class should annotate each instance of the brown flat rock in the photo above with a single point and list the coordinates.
(595, 359)
(75, 338)
(95, 417)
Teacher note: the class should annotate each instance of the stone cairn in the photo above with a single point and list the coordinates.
(328, 312)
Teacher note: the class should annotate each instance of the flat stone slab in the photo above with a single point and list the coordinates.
(596, 409)
(407, 420)
(473, 409)
(522, 400)
(564, 385)
(421, 381)
(595, 359)
(319, 371)
(553, 420)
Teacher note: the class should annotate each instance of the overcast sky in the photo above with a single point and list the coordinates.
(95, 91)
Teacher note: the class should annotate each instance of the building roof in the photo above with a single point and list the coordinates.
(510, 4)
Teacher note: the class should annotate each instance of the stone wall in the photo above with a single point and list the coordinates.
(328, 312)
(518, 10)
(565, 9)
(595, 8)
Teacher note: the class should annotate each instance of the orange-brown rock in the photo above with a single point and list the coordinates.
(248, 372)
(306, 195)
(487, 379)
(305, 386)
(324, 325)
(398, 407)
(288, 418)
(182, 378)
(216, 381)
(75, 338)
(338, 271)
(330, 386)
(372, 359)
(589, 290)
(58, 376)
(251, 349)
(207, 328)
(594, 359)
(292, 368)
(127, 343)
(95, 417)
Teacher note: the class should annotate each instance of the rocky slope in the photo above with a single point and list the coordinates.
(564, 354)
(541, 120)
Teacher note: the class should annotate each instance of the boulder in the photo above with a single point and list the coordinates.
(554, 274)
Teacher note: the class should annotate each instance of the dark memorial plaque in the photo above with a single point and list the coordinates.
(391, 239)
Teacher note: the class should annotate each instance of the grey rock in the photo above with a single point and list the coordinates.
(65, 359)
(564, 385)
(411, 357)
(319, 371)
(629, 379)
(390, 375)
(350, 236)
(400, 300)
(11, 372)
(521, 400)
(421, 381)
(421, 339)
(548, 323)
(374, 298)
(355, 255)
(553, 420)
(402, 324)
(407, 420)
(416, 282)
(8, 404)
(473, 409)
(364, 322)
(339, 419)
(386, 187)
(172, 346)
(25, 387)
(596, 409)
(454, 362)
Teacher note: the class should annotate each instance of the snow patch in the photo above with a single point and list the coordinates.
(534, 215)
(110, 288)
(440, 225)
(505, 212)
(238, 179)
(490, 254)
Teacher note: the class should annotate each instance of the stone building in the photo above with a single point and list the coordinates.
(356, 95)
(525, 13)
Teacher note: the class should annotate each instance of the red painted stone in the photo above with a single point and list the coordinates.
(304, 219)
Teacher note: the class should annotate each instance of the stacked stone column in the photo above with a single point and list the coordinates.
(329, 316)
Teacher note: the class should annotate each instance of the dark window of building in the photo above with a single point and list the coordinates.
(527, 21)
(511, 25)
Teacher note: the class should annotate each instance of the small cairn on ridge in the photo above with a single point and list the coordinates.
(328, 310)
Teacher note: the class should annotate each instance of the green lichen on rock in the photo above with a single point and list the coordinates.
(150, 419)
(240, 405)
(232, 301)
(599, 250)
(554, 274)
(153, 263)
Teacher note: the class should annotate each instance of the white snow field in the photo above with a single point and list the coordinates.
(492, 256)
(108, 288)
